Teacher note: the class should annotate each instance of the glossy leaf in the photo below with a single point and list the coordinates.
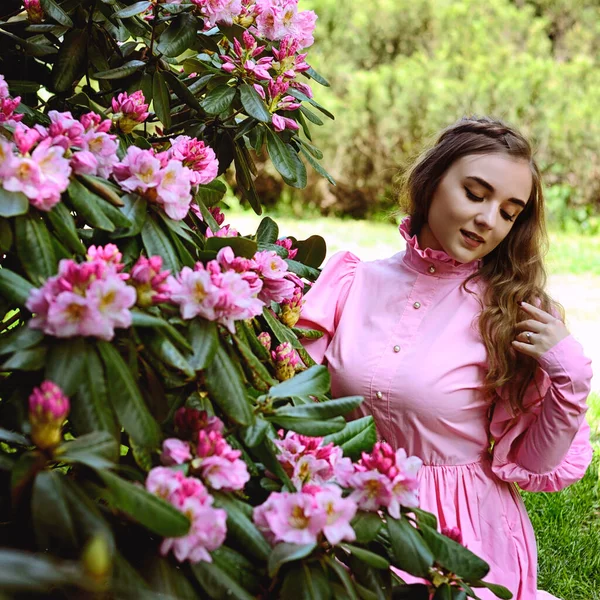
(70, 61)
(267, 232)
(317, 166)
(226, 389)
(241, 246)
(182, 90)
(12, 203)
(160, 99)
(65, 364)
(54, 11)
(366, 525)
(312, 251)
(344, 577)
(320, 410)
(126, 399)
(311, 427)
(370, 558)
(104, 189)
(411, 551)
(31, 359)
(156, 241)
(141, 319)
(130, 11)
(12, 437)
(87, 206)
(204, 340)
(63, 223)
(312, 382)
(149, 510)
(359, 435)
(179, 36)
(499, 590)
(135, 209)
(34, 248)
(14, 288)
(125, 70)
(218, 99)
(6, 236)
(217, 583)
(284, 553)
(281, 155)
(253, 104)
(300, 177)
(97, 450)
(19, 338)
(304, 582)
(166, 352)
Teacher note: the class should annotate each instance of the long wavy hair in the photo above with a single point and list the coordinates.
(514, 270)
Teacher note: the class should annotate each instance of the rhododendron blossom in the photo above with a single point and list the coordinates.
(198, 157)
(188, 494)
(48, 409)
(175, 452)
(129, 110)
(189, 421)
(278, 283)
(278, 19)
(286, 361)
(150, 281)
(35, 12)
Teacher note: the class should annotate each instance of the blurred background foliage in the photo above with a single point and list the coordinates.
(401, 70)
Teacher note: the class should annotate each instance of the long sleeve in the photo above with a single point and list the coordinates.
(549, 447)
(325, 301)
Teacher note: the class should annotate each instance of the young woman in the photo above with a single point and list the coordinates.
(462, 357)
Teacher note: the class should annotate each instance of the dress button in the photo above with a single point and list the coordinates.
(396, 348)
(432, 269)
(417, 305)
(379, 395)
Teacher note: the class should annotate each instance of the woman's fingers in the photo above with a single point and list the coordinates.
(531, 325)
(537, 313)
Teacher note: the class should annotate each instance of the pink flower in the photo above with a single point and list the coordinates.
(226, 231)
(291, 308)
(217, 214)
(195, 293)
(149, 280)
(164, 482)
(3, 88)
(340, 511)
(198, 157)
(129, 110)
(175, 452)
(110, 255)
(48, 409)
(84, 163)
(92, 121)
(279, 18)
(273, 271)
(454, 533)
(218, 11)
(265, 339)
(55, 172)
(35, 12)
(280, 123)
(189, 421)
(71, 315)
(7, 111)
(25, 138)
(7, 158)
(372, 490)
(65, 130)
(114, 299)
(24, 176)
(138, 171)
(287, 244)
(307, 470)
(174, 190)
(103, 148)
(291, 517)
(286, 360)
(222, 474)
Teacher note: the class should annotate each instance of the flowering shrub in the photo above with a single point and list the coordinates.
(163, 429)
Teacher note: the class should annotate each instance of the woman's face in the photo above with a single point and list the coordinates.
(475, 205)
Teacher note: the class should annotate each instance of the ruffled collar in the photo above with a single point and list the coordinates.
(433, 262)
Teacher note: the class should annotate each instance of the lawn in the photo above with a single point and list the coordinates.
(567, 523)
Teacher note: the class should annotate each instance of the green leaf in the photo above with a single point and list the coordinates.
(103, 188)
(308, 334)
(114, 214)
(253, 104)
(55, 12)
(312, 382)
(317, 77)
(359, 435)
(97, 450)
(65, 364)
(52, 527)
(266, 453)
(92, 411)
(125, 70)
(411, 551)
(135, 209)
(312, 251)
(303, 97)
(179, 36)
(267, 232)
(304, 582)
(226, 389)
(320, 410)
(253, 435)
(166, 352)
(130, 11)
(454, 556)
(366, 525)
(62, 221)
(309, 427)
(218, 99)
(424, 517)
(217, 583)
(31, 359)
(210, 193)
(241, 527)
(34, 247)
(87, 206)
(499, 590)
(141, 319)
(302, 270)
(300, 176)
(28, 572)
(282, 155)
(6, 236)
(310, 116)
(240, 568)
(160, 99)
(167, 581)
(12, 437)
(70, 61)
(260, 377)
(317, 166)
(156, 241)
(14, 288)
(127, 400)
(19, 338)
(366, 556)
(284, 553)
(149, 510)
(241, 246)
(344, 577)
(12, 203)
(204, 340)
(28, 465)
(182, 90)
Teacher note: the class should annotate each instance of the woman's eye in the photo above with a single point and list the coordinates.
(472, 196)
(506, 216)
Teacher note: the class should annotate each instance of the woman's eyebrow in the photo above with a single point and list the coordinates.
(488, 186)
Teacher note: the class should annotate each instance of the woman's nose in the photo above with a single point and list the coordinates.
(487, 217)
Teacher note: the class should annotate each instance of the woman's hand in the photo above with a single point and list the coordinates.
(539, 333)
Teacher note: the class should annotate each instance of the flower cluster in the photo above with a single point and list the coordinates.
(35, 12)
(188, 494)
(287, 244)
(300, 517)
(286, 361)
(48, 409)
(278, 19)
(291, 308)
(209, 454)
(8, 105)
(384, 479)
(129, 110)
(149, 280)
(88, 299)
(166, 178)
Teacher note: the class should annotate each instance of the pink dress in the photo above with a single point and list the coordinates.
(403, 333)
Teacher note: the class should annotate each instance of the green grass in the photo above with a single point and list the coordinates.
(567, 527)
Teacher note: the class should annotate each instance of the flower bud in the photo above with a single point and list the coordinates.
(48, 409)
(286, 359)
(188, 421)
(454, 533)
(35, 12)
(265, 339)
(97, 561)
(129, 110)
(291, 308)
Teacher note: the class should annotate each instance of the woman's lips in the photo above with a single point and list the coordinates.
(470, 241)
